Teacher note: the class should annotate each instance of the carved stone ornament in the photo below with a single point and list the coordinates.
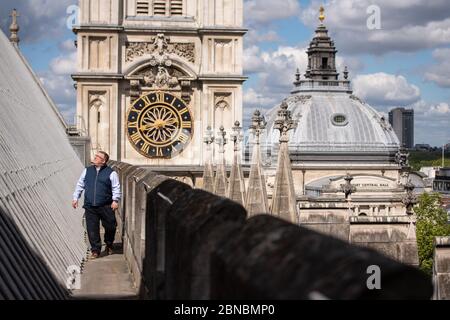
(401, 157)
(160, 46)
(96, 98)
(222, 100)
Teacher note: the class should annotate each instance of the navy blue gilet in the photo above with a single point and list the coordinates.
(97, 187)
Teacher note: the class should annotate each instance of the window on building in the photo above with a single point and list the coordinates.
(339, 119)
(362, 214)
(159, 7)
(176, 7)
(143, 8)
(324, 63)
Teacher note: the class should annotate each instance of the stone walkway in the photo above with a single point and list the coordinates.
(107, 277)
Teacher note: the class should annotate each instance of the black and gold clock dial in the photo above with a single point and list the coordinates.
(159, 125)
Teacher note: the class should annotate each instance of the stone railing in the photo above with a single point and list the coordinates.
(185, 243)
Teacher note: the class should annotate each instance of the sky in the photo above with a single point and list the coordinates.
(397, 52)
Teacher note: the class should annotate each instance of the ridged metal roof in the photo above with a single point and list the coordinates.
(363, 130)
(38, 171)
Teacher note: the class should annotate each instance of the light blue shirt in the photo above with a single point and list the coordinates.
(115, 186)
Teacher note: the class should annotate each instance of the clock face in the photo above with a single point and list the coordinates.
(159, 125)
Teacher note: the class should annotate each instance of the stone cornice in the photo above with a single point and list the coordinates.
(165, 29)
(223, 30)
(380, 220)
(97, 27)
(223, 77)
(97, 76)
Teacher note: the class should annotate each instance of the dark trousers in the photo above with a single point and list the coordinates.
(107, 216)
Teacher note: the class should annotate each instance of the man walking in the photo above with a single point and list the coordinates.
(101, 197)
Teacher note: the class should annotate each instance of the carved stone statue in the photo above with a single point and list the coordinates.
(163, 79)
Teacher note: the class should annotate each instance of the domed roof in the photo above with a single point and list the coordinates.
(333, 122)
(330, 118)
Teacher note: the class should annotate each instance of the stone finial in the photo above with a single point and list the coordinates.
(221, 139)
(297, 78)
(348, 188)
(14, 28)
(257, 201)
(409, 199)
(220, 181)
(236, 188)
(284, 203)
(345, 73)
(401, 157)
(208, 172)
(284, 122)
(258, 124)
(209, 136)
(236, 135)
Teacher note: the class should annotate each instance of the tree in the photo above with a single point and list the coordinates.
(432, 221)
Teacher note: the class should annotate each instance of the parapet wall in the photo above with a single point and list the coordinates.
(185, 243)
(441, 268)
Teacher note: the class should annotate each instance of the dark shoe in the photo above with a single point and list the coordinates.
(109, 250)
(94, 255)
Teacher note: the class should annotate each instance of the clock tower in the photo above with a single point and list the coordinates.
(153, 75)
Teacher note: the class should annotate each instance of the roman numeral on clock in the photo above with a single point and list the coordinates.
(183, 138)
(186, 124)
(146, 100)
(184, 110)
(145, 147)
(135, 137)
(132, 125)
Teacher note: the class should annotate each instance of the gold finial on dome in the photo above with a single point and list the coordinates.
(322, 16)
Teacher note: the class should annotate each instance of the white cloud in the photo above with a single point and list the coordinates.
(431, 109)
(58, 82)
(39, 19)
(264, 11)
(254, 36)
(274, 72)
(68, 46)
(65, 64)
(431, 122)
(255, 99)
(406, 26)
(382, 89)
(439, 73)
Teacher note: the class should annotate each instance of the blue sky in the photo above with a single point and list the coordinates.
(405, 63)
